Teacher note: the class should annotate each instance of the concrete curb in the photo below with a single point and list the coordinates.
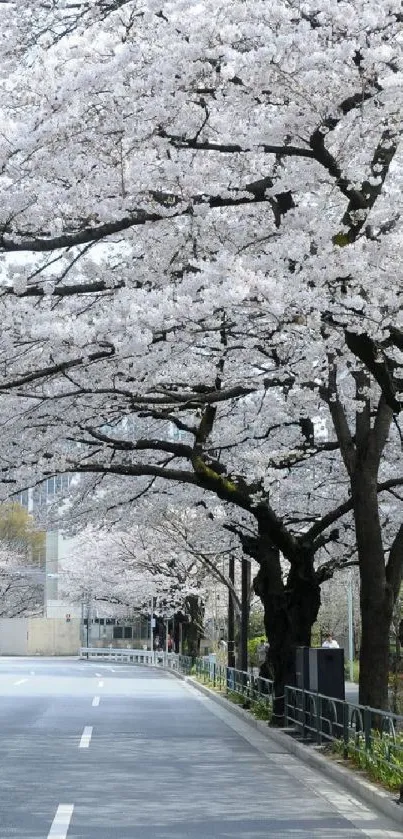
(359, 786)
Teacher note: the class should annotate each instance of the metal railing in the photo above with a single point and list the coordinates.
(180, 663)
(118, 654)
(373, 739)
(251, 690)
(130, 656)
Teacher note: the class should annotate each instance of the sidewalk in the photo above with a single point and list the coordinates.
(353, 781)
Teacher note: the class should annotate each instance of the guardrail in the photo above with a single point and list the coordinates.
(130, 656)
(118, 654)
(181, 663)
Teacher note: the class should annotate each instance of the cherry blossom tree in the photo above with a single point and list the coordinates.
(122, 570)
(21, 585)
(201, 216)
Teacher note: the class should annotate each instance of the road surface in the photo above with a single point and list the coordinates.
(103, 751)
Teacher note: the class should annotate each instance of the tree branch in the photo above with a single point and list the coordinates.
(178, 449)
(341, 427)
(383, 421)
(56, 368)
(330, 518)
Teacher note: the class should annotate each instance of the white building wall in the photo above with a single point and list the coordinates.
(39, 636)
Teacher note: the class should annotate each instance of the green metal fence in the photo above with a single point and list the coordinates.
(250, 690)
(372, 738)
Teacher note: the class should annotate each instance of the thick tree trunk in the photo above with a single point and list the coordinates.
(376, 595)
(374, 654)
(192, 625)
(289, 611)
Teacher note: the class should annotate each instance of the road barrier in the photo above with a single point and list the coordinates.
(112, 654)
(129, 656)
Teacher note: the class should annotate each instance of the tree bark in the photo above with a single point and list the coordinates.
(192, 626)
(290, 609)
(376, 594)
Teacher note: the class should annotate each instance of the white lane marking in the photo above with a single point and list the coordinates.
(99, 675)
(100, 684)
(32, 673)
(95, 701)
(20, 682)
(112, 669)
(86, 737)
(61, 821)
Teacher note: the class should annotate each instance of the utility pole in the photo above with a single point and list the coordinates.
(88, 624)
(231, 616)
(245, 590)
(350, 625)
(152, 625)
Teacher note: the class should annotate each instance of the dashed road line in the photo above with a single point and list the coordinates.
(95, 701)
(86, 737)
(61, 822)
(98, 674)
(20, 682)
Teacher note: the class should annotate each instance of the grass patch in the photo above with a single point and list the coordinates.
(259, 708)
(383, 763)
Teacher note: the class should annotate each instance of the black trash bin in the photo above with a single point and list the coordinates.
(326, 671)
(326, 677)
(302, 668)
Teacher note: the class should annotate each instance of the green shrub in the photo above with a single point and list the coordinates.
(261, 710)
(253, 645)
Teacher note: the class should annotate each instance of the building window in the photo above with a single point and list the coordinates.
(128, 632)
(118, 632)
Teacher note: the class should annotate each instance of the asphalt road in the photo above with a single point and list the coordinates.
(97, 751)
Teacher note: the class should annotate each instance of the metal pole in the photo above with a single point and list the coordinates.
(231, 616)
(245, 578)
(350, 625)
(151, 624)
(88, 627)
(82, 631)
